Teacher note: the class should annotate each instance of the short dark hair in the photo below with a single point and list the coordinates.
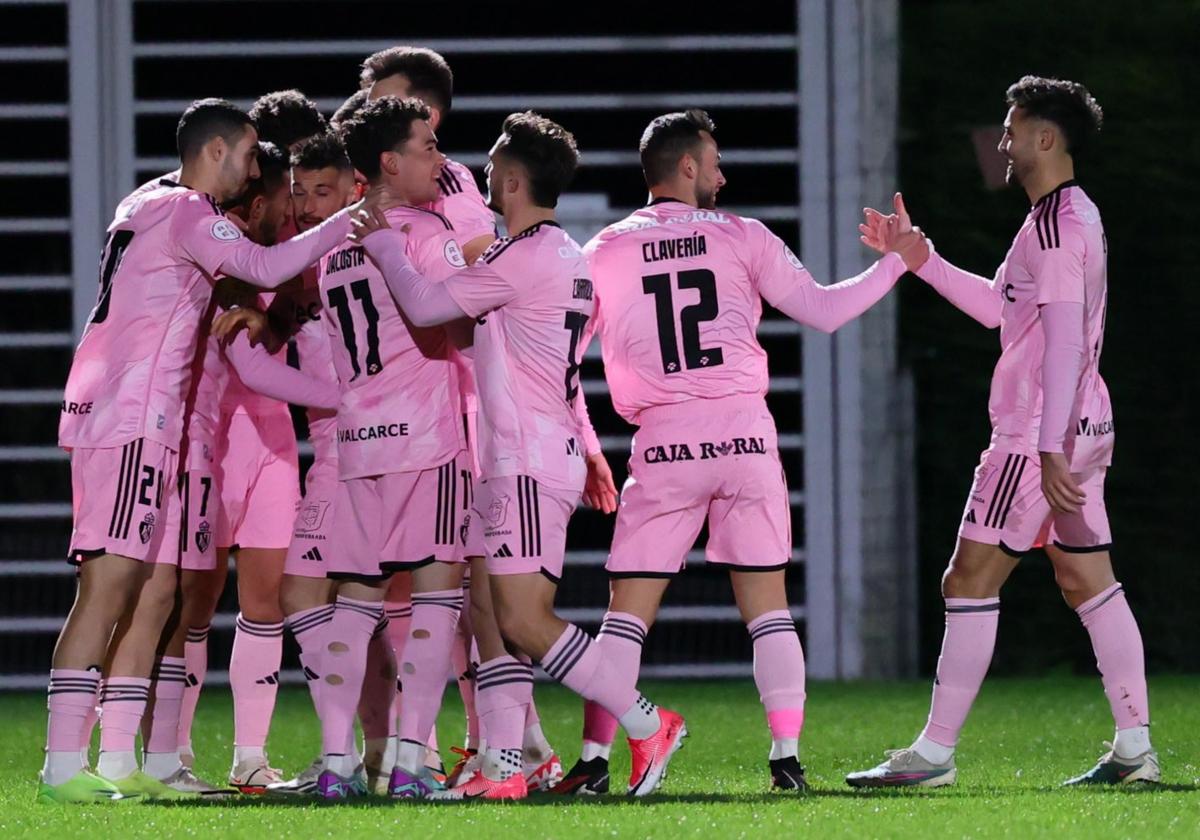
(320, 151)
(379, 127)
(429, 76)
(347, 108)
(205, 119)
(1068, 105)
(285, 116)
(668, 138)
(273, 171)
(546, 150)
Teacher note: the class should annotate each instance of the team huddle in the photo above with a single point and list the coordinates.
(348, 267)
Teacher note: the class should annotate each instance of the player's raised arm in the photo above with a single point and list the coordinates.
(788, 286)
(426, 304)
(975, 295)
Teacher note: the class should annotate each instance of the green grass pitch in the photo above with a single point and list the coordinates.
(1024, 737)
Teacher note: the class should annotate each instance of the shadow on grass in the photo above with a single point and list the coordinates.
(616, 801)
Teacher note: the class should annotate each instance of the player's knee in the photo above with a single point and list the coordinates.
(517, 626)
(261, 606)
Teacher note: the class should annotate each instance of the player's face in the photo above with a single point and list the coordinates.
(319, 193)
(239, 165)
(1019, 145)
(709, 179)
(496, 172)
(418, 164)
(275, 211)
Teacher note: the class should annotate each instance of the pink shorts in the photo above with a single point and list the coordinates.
(1007, 508)
(121, 498)
(524, 525)
(716, 460)
(396, 522)
(199, 514)
(260, 481)
(313, 526)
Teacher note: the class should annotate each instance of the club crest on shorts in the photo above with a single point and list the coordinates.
(146, 529)
(465, 528)
(497, 511)
(311, 515)
(203, 537)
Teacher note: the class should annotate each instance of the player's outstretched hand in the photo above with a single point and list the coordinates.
(1060, 488)
(599, 490)
(226, 325)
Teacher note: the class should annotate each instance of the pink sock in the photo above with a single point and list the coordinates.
(464, 674)
(344, 662)
(582, 666)
(91, 721)
(122, 705)
(254, 679)
(307, 627)
(1119, 656)
(379, 686)
(505, 689)
(967, 649)
(779, 671)
(169, 682)
(621, 638)
(195, 658)
(70, 698)
(423, 665)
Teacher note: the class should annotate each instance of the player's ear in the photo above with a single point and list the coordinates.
(435, 117)
(258, 208)
(216, 149)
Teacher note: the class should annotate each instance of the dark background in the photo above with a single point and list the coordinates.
(1139, 61)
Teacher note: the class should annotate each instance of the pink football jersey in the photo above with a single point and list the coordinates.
(132, 368)
(679, 296)
(1059, 254)
(299, 315)
(460, 201)
(400, 408)
(533, 298)
(239, 398)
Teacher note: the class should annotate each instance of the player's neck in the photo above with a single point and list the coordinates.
(192, 178)
(1048, 178)
(520, 219)
(672, 192)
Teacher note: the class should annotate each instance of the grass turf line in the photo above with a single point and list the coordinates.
(1024, 737)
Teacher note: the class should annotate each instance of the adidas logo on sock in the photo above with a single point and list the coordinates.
(503, 551)
(192, 681)
(269, 679)
(310, 674)
(313, 555)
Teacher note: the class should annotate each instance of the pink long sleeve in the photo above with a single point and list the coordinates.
(827, 308)
(1062, 363)
(216, 245)
(426, 304)
(262, 372)
(977, 296)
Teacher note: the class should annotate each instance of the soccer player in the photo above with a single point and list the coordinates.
(406, 71)
(1040, 482)
(679, 288)
(400, 457)
(533, 297)
(260, 489)
(122, 419)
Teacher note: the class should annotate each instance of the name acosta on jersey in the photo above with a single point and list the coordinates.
(346, 258)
